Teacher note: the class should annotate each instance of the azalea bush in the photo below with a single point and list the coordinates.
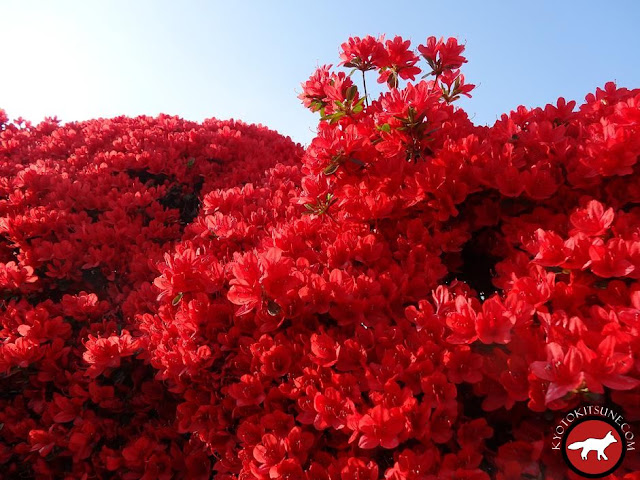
(411, 297)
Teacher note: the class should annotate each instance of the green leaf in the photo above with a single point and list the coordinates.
(359, 106)
(317, 105)
(273, 308)
(176, 299)
(351, 93)
(334, 117)
(191, 162)
(331, 168)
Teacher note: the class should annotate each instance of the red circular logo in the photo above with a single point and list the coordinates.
(593, 447)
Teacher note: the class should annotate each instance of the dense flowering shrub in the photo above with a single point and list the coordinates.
(412, 297)
(87, 212)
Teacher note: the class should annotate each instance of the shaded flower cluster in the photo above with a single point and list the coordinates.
(412, 297)
(87, 212)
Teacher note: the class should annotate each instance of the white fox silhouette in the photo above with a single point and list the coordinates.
(597, 444)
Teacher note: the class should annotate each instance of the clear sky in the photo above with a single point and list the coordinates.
(246, 59)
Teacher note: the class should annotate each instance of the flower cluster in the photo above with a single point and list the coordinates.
(412, 297)
(87, 213)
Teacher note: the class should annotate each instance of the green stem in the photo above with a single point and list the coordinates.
(435, 82)
(364, 83)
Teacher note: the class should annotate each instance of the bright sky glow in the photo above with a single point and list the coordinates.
(239, 59)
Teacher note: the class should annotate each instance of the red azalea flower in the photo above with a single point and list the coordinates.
(442, 56)
(462, 323)
(381, 426)
(495, 322)
(270, 451)
(276, 361)
(245, 290)
(299, 444)
(610, 259)
(288, 469)
(606, 367)
(313, 94)
(41, 442)
(453, 85)
(324, 349)
(364, 53)
(551, 249)
(474, 432)
(401, 63)
(437, 390)
(14, 276)
(564, 369)
(359, 469)
(413, 466)
(249, 391)
(593, 220)
(103, 353)
(463, 365)
(188, 271)
(333, 410)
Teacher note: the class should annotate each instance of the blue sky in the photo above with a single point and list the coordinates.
(246, 59)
